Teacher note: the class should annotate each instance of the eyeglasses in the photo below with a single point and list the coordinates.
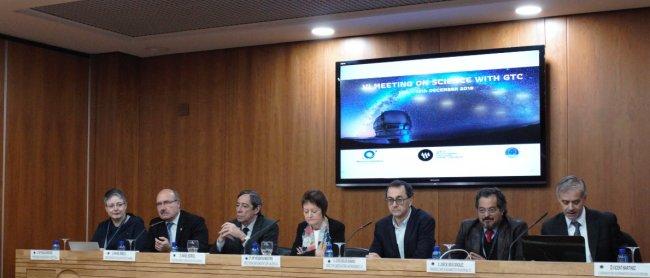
(118, 205)
(165, 203)
(399, 200)
(491, 210)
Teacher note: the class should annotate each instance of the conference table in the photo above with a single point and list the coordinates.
(91, 264)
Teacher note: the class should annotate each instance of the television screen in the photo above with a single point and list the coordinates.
(447, 119)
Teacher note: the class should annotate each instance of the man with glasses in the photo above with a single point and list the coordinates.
(235, 235)
(408, 232)
(489, 235)
(175, 225)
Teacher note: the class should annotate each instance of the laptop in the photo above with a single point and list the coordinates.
(554, 248)
(83, 245)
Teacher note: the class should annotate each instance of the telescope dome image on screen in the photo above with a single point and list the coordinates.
(466, 118)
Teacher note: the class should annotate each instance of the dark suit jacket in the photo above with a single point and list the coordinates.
(336, 230)
(418, 239)
(470, 238)
(234, 246)
(189, 226)
(129, 230)
(602, 230)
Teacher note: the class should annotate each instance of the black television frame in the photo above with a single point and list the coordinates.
(504, 181)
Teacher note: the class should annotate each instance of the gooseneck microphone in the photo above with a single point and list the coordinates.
(144, 230)
(356, 231)
(522, 234)
(254, 237)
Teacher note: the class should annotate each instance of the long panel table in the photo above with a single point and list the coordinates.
(90, 264)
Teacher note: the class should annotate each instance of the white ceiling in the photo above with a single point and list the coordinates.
(17, 19)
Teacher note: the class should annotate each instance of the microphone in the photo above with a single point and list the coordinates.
(522, 234)
(254, 237)
(355, 232)
(144, 230)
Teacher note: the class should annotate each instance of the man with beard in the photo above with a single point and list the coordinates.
(237, 235)
(407, 232)
(599, 229)
(489, 235)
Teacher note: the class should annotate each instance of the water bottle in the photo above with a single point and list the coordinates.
(255, 249)
(121, 245)
(436, 253)
(174, 247)
(622, 256)
(55, 245)
(329, 252)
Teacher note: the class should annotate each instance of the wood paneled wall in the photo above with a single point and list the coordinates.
(212, 123)
(46, 149)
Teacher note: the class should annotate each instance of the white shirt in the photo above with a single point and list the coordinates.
(172, 229)
(400, 231)
(582, 219)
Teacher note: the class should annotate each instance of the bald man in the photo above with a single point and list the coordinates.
(175, 225)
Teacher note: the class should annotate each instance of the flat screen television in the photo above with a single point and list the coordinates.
(471, 118)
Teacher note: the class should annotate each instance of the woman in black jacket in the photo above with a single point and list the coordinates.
(120, 226)
(318, 229)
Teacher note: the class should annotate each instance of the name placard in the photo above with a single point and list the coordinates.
(186, 258)
(451, 266)
(44, 255)
(118, 255)
(622, 269)
(260, 261)
(351, 264)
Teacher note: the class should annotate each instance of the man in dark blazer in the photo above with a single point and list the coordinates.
(489, 235)
(407, 232)
(601, 230)
(175, 225)
(237, 235)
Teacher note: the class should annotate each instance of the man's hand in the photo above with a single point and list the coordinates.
(162, 244)
(231, 230)
(373, 255)
(474, 256)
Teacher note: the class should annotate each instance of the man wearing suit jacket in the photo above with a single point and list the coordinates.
(237, 235)
(489, 235)
(600, 229)
(407, 232)
(175, 225)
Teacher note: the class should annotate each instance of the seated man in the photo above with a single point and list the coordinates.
(407, 232)
(489, 235)
(175, 225)
(600, 229)
(237, 235)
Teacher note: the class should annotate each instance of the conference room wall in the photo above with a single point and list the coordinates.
(45, 151)
(263, 117)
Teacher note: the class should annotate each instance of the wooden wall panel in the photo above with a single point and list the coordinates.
(114, 129)
(3, 49)
(45, 186)
(609, 112)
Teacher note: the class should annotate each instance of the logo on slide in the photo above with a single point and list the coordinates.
(369, 154)
(425, 155)
(512, 152)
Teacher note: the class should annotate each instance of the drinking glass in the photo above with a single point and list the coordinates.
(340, 245)
(267, 248)
(632, 250)
(64, 242)
(131, 240)
(192, 246)
(449, 245)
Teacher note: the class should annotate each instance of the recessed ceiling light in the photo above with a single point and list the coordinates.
(528, 10)
(322, 31)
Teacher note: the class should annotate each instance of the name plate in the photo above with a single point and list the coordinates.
(120, 256)
(44, 255)
(337, 263)
(260, 261)
(186, 258)
(622, 269)
(451, 266)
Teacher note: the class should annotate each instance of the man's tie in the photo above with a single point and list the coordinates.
(577, 225)
(488, 236)
(245, 230)
(169, 230)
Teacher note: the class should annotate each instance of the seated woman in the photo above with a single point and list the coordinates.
(119, 225)
(318, 228)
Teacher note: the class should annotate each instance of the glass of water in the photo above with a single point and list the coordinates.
(192, 246)
(267, 248)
